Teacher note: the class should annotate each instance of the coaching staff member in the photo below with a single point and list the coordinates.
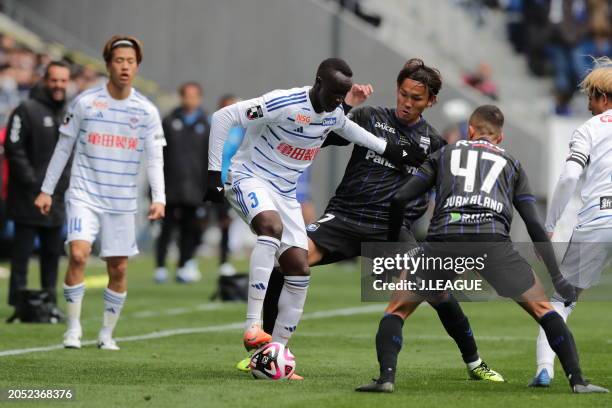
(32, 135)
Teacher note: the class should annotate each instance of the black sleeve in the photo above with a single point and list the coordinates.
(416, 186)
(525, 204)
(18, 134)
(334, 139)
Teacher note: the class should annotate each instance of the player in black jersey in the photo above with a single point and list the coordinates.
(359, 210)
(477, 183)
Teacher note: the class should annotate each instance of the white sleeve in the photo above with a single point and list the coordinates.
(252, 112)
(580, 150)
(564, 190)
(154, 147)
(61, 154)
(358, 135)
(222, 121)
(580, 145)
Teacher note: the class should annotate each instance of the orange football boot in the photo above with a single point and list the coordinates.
(254, 337)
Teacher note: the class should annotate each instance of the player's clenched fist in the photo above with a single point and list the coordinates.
(43, 203)
(214, 187)
(157, 211)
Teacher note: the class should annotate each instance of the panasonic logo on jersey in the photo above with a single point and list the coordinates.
(378, 159)
(385, 127)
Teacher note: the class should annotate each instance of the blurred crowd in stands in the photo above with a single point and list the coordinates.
(21, 68)
(557, 37)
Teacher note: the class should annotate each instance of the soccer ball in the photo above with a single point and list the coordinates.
(272, 361)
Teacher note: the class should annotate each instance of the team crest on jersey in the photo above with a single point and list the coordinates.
(48, 121)
(328, 122)
(254, 112)
(134, 121)
(425, 144)
(67, 118)
(312, 227)
(606, 118)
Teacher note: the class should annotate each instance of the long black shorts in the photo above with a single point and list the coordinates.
(504, 268)
(339, 240)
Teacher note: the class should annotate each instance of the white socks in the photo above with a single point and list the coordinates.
(261, 264)
(113, 303)
(290, 307)
(545, 356)
(474, 364)
(74, 299)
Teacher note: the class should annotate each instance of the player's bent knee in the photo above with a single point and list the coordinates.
(542, 308)
(78, 257)
(268, 225)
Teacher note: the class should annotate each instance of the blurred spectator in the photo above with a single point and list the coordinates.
(568, 20)
(185, 167)
(516, 24)
(598, 39)
(537, 35)
(482, 81)
(32, 136)
(9, 94)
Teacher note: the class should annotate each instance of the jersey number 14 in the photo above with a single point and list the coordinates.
(469, 171)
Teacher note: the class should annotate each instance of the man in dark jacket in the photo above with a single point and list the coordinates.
(32, 135)
(185, 163)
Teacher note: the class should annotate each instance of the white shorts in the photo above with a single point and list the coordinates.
(250, 196)
(116, 232)
(587, 256)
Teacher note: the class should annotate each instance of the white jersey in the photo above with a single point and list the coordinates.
(283, 136)
(111, 136)
(591, 147)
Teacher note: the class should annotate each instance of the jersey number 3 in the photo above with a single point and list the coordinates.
(469, 171)
(254, 200)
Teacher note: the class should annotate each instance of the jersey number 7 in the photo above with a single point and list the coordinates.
(469, 171)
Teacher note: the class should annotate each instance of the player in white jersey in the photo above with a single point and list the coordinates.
(284, 132)
(111, 127)
(590, 247)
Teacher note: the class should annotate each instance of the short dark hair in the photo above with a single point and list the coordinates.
(416, 70)
(334, 64)
(188, 84)
(62, 64)
(487, 120)
(119, 41)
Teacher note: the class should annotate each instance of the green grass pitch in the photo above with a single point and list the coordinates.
(189, 356)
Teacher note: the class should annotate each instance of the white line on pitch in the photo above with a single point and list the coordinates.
(197, 330)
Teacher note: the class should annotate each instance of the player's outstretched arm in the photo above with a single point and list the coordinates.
(414, 188)
(61, 155)
(564, 190)
(525, 205)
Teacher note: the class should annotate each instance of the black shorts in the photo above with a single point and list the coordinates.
(339, 240)
(504, 268)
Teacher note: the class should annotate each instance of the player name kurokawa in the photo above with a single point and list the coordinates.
(487, 202)
(429, 285)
